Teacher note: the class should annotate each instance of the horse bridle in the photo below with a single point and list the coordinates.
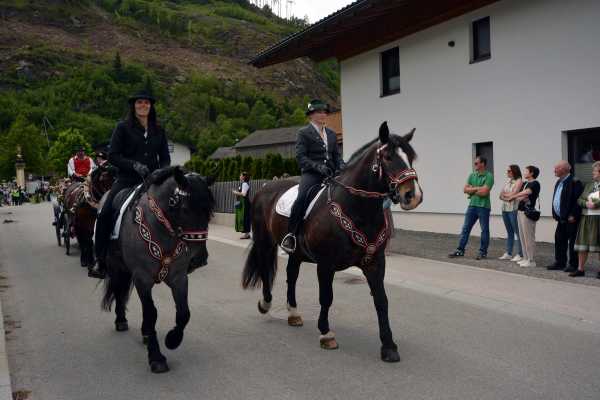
(395, 181)
(174, 201)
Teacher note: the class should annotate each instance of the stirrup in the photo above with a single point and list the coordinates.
(289, 249)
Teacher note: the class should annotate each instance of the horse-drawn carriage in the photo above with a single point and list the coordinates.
(75, 208)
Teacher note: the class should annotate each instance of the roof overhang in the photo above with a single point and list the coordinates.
(362, 26)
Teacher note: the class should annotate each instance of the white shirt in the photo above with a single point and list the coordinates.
(245, 188)
(323, 134)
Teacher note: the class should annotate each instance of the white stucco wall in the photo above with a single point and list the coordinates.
(542, 80)
(180, 153)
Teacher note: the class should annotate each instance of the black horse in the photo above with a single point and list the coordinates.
(346, 228)
(162, 238)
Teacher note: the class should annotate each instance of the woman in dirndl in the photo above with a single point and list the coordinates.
(242, 206)
(588, 234)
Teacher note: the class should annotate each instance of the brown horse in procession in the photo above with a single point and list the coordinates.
(346, 227)
(81, 200)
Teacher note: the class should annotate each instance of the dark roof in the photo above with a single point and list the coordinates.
(223, 152)
(364, 25)
(269, 136)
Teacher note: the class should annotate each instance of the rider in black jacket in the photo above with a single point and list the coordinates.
(138, 146)
(318, 156)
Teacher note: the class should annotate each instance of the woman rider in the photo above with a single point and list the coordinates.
(138, 146)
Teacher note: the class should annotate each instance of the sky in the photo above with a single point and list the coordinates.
(317, 9)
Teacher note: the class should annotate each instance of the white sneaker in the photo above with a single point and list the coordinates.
(523, 261)
(516, 258)
(505, 256)
(527, 264)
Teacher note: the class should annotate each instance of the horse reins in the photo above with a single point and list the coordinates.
(358, 237)
(154, 248)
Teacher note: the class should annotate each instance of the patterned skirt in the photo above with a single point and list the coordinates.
(588, 234)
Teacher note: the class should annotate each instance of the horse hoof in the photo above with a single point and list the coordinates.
(173, 339)
(329, 344)
(159, 367)
(121, 326)
(263, 310)
(390, 355)
(145, 339)
(295, 320)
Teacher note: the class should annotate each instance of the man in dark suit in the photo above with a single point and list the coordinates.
(318, 156)
(567, 213)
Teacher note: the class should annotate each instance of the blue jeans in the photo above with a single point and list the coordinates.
(512, 229)
(473, 214)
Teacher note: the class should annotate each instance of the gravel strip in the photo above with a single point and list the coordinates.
(437, 246)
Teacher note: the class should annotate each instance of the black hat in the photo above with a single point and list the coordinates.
(317, 105)
(142, 94)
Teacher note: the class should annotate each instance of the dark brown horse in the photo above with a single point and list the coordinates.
(81, 203)
(346, 228)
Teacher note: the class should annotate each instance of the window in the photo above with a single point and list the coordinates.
(390, 72)
(584, 150)
(480, 41)
(486, 150)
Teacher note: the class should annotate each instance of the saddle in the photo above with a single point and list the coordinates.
(287, 199)
(118, 207)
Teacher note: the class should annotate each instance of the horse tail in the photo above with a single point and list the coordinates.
(261, 263)
(117, 284)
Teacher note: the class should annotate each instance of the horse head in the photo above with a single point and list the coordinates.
(103, 178)
(394, 164)
(187, 203)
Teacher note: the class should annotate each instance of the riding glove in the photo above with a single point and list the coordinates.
(141, 169)
(324, 170)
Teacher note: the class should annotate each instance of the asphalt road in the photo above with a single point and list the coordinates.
(61, 346)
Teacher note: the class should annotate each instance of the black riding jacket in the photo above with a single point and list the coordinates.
(311, 150)
(128, 145)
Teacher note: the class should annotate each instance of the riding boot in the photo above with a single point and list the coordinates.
(101, 241)
(288, 244)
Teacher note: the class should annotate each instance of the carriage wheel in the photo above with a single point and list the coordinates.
(67, 234)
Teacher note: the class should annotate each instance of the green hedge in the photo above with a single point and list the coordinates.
(229, 169)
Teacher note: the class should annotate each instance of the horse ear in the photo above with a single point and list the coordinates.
(180, 178)
(408, 137)
(384, 133)
(209, 180)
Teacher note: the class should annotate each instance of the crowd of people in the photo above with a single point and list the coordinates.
(575, 209)
(12, 195)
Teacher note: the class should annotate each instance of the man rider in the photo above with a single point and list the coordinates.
(318, 156)
(138, 146)
(80, 165)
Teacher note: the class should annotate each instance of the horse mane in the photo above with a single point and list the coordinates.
(394, 141)
(155, 178)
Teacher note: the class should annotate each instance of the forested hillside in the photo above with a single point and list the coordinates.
(67, 67)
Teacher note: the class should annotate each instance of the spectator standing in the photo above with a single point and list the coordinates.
(478, 187)
(567, 214)
(242, 206)
(588, 235)
(527, 199)
(509, 213)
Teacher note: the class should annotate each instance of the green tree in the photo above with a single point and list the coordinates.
(29, 138)
(64, 147)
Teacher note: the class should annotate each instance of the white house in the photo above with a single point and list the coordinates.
(516, 81)
(180, 153)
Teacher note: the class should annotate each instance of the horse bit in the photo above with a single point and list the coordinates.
(154, 248)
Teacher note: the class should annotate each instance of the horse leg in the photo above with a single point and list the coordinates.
(375, 276)
(121, 298)
(179, 288)
(293, 269)
(327, 337)
(157, 361)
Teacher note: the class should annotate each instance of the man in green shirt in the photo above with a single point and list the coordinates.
(478, 187)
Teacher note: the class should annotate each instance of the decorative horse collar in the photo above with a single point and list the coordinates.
(154, 248)
(358, 237)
